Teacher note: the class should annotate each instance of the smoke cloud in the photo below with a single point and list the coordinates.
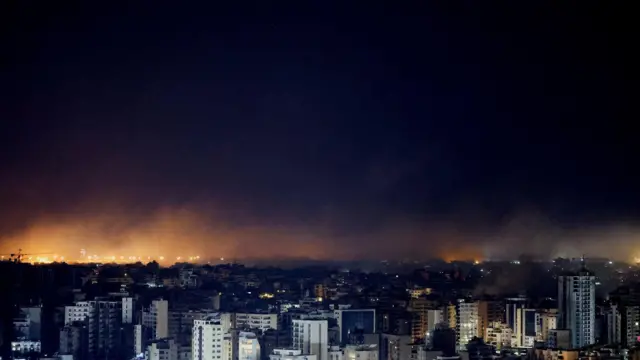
(197, 231)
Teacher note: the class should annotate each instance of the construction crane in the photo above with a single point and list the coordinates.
(17, 257)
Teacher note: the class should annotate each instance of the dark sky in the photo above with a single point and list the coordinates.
(367, 124)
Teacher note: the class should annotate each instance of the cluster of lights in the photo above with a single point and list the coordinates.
(95, 258)
(122, 258)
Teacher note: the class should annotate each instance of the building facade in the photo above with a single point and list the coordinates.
(311, 336)
(208, 339)
(577, 305)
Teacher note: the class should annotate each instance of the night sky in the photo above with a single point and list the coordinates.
(445, 129)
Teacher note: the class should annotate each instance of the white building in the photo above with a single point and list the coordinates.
(208, 339)
(525, 333)
(82, 309)
(248, 346)
(546, 320)
(138, 339)
(103, 320)
(77, 312)
(311, 336)
(577, 306)
(260, 321)
(291, 354)
(162, 349)
(466, 322)
(361, 352)
(434, 317)
(499, 335)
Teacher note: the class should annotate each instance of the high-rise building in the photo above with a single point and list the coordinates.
(311, 336)
(208, 339)
(489, 312)
(577, 306)
(142, 335)
(103, 321)
(625, 299)
(631, 323)
(181, 325)
(511, 308)
(127, 310)
(157, 318)
(466, 322)
(525, 333)
(420, 308)
(613, 322)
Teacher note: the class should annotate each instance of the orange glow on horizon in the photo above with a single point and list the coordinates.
(181, 235)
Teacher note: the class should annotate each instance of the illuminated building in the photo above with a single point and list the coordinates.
(631, 323)
(525, 333)
(248, 346)
(489, 312)
(577, 306)
(546, 320)
(423, 309)
(25, 346)
(466, 322)
(499, 335)
(512, 306)
(311, 336)
(208, 339)
(419, 292)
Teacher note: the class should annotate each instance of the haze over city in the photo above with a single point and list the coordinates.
(319, 135)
